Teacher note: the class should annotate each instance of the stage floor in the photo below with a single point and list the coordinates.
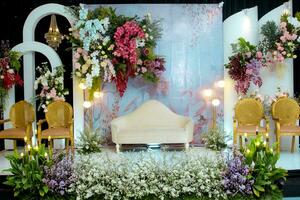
(289, 161)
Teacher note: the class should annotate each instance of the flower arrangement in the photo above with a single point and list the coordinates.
(27, 172)
(215, 139)
(90, 141)
(268, 179)
(51, 85)
(236, 178)
(113, 48)
(59, 176)
(244, 66)
(249, 174)
(281, 41)
(144, 176)
(9, 67)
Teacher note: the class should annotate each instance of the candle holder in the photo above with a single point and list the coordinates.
(246, 139)
(256, 130)
(49, 143)
(25, 143)
(267, 139)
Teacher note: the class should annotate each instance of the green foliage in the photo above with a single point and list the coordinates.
(265, 173)
(150, 77)
(14, 60)
(243, 46)
(215, 138)
(271, 33)
(27, 173)
(90, 141)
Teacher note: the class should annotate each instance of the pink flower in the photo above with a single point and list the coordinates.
(283, 25)
(249, 71)
(259, 55)
(76, 56)
(294, 36)
(77, 65)
(52, 93)
(125, 38)
(282, 38)
(283, 53)
(79, 50)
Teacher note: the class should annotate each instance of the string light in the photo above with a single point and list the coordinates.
(207, 93)
(215, 102)
(98, 94)
(87, 104)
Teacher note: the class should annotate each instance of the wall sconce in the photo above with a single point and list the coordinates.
(53, 36)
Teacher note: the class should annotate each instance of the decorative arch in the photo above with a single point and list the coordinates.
(29, 58)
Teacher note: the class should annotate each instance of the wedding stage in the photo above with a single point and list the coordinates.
(151, 101)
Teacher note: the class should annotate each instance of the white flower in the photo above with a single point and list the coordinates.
(293, 21)
(89, 80)
(36, 84)
(11, 71)
(140, 42)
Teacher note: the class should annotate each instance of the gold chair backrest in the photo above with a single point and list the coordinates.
(286, 110)
(249, 111)
(59, 114)
(21, 113)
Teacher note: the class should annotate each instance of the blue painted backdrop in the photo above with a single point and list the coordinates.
(193, 49)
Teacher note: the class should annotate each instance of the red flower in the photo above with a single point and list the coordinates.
(125, 38)
(121, 82)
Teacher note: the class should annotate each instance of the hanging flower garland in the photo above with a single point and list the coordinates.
(9, 67)
(51, 85)
(277, 44)
(244, 66)
(114, 48)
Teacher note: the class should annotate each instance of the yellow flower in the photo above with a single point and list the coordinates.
(103, 64)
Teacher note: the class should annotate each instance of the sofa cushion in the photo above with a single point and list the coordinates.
(151, 135)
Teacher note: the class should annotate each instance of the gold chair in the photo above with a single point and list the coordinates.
(21, 115)
(285, 113)
(248, 114)
(60, 123)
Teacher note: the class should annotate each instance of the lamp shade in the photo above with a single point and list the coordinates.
(53, 36)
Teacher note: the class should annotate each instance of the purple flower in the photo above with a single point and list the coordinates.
(235, 177)
(60, 175)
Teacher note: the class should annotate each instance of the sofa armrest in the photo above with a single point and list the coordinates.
(114, 133)
(189, 127)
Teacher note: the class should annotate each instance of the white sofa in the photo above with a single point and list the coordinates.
(152, 122)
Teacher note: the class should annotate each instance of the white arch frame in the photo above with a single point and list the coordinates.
(28, 53)
(29, 58)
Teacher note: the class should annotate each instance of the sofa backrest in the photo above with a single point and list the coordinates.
(152, 114)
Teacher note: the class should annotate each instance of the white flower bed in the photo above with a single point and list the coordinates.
(144, 174)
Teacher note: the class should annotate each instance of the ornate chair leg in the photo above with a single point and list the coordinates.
(278, 142)
(15, 145)
(67, 141)
(241, 141)
(293, 144)
(73, 146)
(187, 145)
(117, 148)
